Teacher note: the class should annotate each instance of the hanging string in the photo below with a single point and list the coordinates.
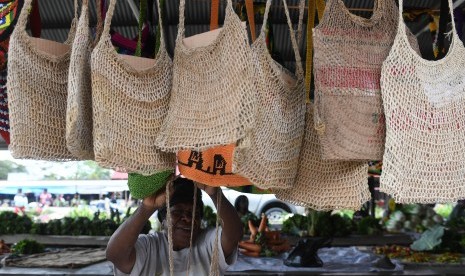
(312, 6)
(170, 228)
(194, 207)
(215, 265)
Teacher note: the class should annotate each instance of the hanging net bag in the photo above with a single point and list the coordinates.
(79, 139)
(271, 160)
(213, 95)
(424, 103)
(130, 97)
(326, 184)
(348, 53)
(37, 92)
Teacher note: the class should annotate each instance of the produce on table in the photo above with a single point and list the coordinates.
(318, 224)
(27, 247)
(405, 254)
(412, 218)
(262, 241)
(4, 249)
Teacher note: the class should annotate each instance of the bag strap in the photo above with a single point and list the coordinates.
(251, 18)
(299, 72)
(402, 27)
(29, 9)
(182, 8)
(141, 21)
(443, 16)
(214, 14)
(312, 5)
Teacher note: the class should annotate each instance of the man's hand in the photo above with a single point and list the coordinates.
(158, 199)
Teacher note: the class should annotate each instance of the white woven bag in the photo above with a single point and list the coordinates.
(37, 92)
(130, 97)
(79, 138)
(326, 184)
(213, 96)
(348, 53)
(424, 103)
(275, 141)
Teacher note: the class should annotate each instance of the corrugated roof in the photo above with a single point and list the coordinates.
(57, 14)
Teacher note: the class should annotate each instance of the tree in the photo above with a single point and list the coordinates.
(7, 166)
(90, 170)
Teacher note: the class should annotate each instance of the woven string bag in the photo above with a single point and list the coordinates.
(271, 160)
(348, 54)
(424, 103)
(212, 166)
(37, 92)
(8, 18)
(79, 138)
(213, 96)
(326, 184)
(130, 97)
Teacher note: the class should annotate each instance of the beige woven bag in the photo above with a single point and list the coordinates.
(130, 97)
(79, 138)
(326, 184)
(275, 141)
(424, 102)
(213, 96)
(349, 51)
(37, 92)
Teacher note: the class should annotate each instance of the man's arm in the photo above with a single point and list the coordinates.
(232, 231)
(120, 249)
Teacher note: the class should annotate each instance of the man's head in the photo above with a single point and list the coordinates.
(20, 191)
(181, 205)
(45, 191)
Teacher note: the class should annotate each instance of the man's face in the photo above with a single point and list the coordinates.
(181, 218)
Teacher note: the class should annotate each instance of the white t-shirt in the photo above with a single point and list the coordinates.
(20, 200)
(152, 256)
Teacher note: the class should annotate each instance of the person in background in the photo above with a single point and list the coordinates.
(136, 254)
(76, 200)
(45, 198)
(20, 202)
(60, 201)
(242, 205)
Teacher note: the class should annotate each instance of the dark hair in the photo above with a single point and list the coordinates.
(183, 193)
(239, 199)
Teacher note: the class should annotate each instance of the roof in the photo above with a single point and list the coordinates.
(57, 14)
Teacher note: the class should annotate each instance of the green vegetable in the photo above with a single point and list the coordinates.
(429, 239)
(369, 226)
(27, 247)
(12, 223)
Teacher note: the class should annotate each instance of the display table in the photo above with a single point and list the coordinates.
(337, 261)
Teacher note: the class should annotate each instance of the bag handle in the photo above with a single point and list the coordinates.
(28, 8)
(109, 16)
(299, 68)
(214, 14)
(182, 8)
(402, 27)
(141, 21)
(319, 5)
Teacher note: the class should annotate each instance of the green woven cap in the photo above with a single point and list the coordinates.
(141, 186)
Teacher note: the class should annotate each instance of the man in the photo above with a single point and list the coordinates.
(20, 201)
(136, 254)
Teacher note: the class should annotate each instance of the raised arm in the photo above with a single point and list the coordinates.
(232, 226)
(120, 249)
